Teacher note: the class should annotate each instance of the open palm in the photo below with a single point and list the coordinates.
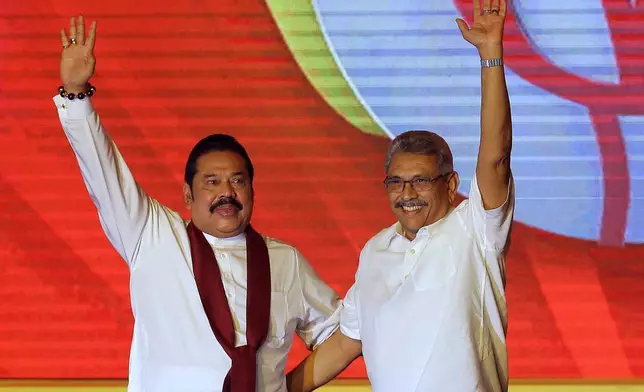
(77, 62)
(487, 28)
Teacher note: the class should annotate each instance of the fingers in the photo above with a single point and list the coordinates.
(72, 29)
(487, 4)
(462, 25)
(503, 7)
(92, 36)
(477, 8)
(63, 38)
(77, 33)
(80, 31)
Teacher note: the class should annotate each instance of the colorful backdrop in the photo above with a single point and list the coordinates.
(315, 90)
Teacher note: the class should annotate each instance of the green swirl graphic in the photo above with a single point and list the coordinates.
(302, 32)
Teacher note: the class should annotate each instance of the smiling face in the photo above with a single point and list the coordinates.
(221, 195)
(419, 194)
(421, 182)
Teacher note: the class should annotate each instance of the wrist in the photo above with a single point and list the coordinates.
(489, 52)
(75, 88)
(76, 91)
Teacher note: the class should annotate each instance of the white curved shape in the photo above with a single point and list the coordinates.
(633, 134)
(573, 34)
(412, 68)
(348, 79)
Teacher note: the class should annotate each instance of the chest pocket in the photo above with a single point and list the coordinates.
(435, 266)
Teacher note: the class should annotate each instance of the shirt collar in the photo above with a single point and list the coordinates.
(396, 230)
(237, 240)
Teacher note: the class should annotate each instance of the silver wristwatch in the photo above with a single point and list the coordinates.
(497, 62)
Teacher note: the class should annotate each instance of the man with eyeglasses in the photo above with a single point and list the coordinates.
(428, 309)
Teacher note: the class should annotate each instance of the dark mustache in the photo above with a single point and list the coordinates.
(224, 201)
(410, 203)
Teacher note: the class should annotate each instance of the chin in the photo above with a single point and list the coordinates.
(413, 222)
(229, 229)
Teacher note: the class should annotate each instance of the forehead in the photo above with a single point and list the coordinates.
(221, 162)
(404, 164)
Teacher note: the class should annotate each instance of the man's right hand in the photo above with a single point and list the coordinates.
(77, 62)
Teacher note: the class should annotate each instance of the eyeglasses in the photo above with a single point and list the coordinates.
(419, 184)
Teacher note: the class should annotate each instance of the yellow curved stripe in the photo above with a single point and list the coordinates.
(301, 30)
(633, 385)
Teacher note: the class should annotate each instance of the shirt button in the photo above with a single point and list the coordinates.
(229, 295)
(412, 251)
(224, 255)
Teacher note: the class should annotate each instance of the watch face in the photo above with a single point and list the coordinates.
(577, 151)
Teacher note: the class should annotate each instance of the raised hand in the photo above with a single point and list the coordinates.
(486, 33)
(77, 62)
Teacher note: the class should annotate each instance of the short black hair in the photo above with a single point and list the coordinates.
(215, 142)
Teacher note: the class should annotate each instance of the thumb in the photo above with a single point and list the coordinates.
(462, 25)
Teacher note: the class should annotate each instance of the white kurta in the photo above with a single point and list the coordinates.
(173, 346)
(431, 313)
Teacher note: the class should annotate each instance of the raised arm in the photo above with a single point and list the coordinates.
(493, 164)
(122, 206)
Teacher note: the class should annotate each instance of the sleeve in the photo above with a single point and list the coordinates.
(349, 320)
(122, 206)
(491, 227)
(321, 306)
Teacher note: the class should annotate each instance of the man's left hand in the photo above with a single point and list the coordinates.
(486, 33)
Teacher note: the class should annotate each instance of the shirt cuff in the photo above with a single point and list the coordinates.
(350, 333)
(324, 338)
(329, 327)
(77, 109)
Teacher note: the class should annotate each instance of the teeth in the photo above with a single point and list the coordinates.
(414, 208)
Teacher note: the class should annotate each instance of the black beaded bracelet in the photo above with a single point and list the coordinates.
(90, 91)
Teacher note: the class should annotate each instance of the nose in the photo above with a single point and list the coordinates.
(226, 189)
(408, 192)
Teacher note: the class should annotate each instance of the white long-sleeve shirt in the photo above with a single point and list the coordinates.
(431, 313)
(173, 347)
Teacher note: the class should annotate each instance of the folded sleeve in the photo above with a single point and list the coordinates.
(491, 227)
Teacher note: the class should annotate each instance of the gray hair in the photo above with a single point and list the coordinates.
(422, 143)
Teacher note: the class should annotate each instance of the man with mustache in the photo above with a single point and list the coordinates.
(216, 304)
(428, 309)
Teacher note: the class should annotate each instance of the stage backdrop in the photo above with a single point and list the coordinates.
(315, 90)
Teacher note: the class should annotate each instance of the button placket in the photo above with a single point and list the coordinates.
(410, 261)
(226, 272)
(411, 258)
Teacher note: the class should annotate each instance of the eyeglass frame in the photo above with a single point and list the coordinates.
(430, 181)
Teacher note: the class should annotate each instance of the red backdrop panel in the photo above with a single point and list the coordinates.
(171, 73)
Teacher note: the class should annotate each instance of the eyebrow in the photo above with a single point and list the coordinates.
(210, 175)
(413, 177)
